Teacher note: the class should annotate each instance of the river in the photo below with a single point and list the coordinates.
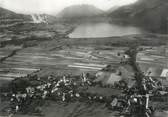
(103, 29)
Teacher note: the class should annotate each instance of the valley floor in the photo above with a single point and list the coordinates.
(50, 52)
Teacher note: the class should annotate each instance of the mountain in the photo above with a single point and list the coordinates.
(112, 9)
(80, 11)
(149, 13)
(7, 14)
(9, 18)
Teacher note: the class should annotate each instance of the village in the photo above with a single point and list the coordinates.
(28, 93)
(43, 72)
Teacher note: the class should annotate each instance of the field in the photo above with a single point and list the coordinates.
(46, 50)
(153, 59)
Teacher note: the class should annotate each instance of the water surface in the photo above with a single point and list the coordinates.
(161, 114)
(103, 29)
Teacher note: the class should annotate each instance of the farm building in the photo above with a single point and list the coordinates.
(159, 73)
(164, 73)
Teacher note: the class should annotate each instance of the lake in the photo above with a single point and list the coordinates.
(161, 114)
(103, 29)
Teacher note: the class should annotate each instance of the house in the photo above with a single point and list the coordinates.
(164, 73)
(160, 73)
(157, 72)
(153, 72)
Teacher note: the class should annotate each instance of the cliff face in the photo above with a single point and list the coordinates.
(149, 13)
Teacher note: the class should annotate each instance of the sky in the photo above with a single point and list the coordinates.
(55, 6)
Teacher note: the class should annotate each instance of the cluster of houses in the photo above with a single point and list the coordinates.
(67, 89)
(158, 73)
(63, 89)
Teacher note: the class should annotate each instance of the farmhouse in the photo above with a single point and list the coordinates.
(159, 73)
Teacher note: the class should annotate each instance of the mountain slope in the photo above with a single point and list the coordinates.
(7, 14)
(80, 11)
(150, 13)
(112, 9)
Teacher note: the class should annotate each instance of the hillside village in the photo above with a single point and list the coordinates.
(44, 72)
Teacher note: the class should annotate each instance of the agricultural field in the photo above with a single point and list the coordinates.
(154, 58)
(153, 61)
(72, 58)
(46, 50)
(17, 38)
